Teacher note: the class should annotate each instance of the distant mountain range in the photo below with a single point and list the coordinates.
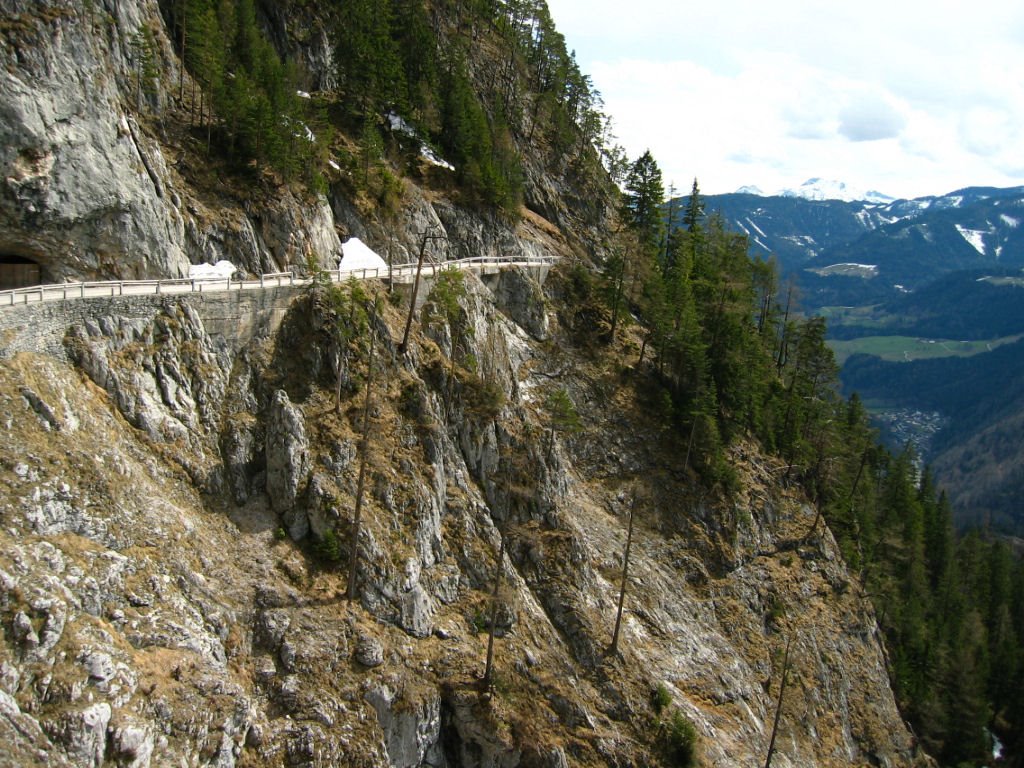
(908, 287)
(856, 251)
(824, 189)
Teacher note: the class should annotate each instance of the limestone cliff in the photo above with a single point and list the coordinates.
(152, 613)
(177, 488)
(102, 180)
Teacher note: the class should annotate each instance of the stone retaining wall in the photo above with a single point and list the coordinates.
(234, 317)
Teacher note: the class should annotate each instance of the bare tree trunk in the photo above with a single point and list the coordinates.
(415, 290)
(361, 484)
(783, 341)
(614, 649)
(339, 369)
(489, 665)
(778, 704)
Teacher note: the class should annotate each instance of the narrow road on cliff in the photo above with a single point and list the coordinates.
(399, 273)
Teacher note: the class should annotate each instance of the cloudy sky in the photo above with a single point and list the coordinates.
(907, 97)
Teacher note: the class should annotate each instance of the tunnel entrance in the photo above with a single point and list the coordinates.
(18, 272)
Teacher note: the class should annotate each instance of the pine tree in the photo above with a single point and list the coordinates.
(693, 221)
(613, 286)
(417, 48)
(147, 72)
(369, 66)
(641, 205)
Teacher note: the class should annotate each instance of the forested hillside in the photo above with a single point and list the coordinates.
(416, 87)
(731, 360)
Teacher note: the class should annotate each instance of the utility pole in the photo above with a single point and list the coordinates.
(415, 289)
(361, 484)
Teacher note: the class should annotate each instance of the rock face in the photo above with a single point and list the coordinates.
(92, 187)
(77, 198)
(287, 462)
(154, 617)
(97, 184)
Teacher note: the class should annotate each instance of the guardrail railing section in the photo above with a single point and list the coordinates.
(68, 291)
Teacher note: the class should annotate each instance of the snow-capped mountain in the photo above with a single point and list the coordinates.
(826, 189)
(890, 246)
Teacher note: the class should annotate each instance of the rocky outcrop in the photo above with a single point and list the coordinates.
(166, 615)
(167, 377)
(287, 454)
(521, 299)
(94, 185)
(412, 730)
(85, 191)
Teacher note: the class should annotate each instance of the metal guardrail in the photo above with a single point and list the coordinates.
(69, 291)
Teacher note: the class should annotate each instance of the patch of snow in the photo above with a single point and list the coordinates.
(303, 95)
(848, 269)
(355, 254)
(432, 157)
(758, 241)
(1009, 220)
(1016, 282)
(750, 189)
(901, 288)
(974, 237)
(303, 132)
(825, 189)
(799, 239)
(334, 165)
(222, 270)
(756, 228)
(867, 219)
(866, 267)
(399, 125)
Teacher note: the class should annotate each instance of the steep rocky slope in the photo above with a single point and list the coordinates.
(146, 622)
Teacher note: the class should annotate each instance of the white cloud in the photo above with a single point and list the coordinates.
(910, 98)
(985, 131)
(870, 117)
